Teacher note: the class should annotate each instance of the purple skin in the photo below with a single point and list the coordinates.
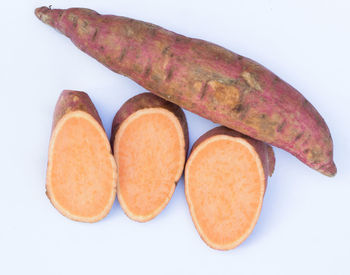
(70, 101)
(203, 78)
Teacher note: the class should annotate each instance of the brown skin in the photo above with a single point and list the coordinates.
(204, 78)
(70, 101)
(264, 150)
(147, 100)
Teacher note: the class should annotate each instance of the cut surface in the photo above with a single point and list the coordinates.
(224, 185)
(150, 152)
(81, 177)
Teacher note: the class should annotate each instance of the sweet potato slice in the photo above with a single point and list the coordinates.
(81, 173)
(225, 182)
(150, 141)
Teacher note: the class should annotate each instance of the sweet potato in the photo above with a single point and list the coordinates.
(203, 78)
(81, 171)
(225, 181)
(150, 142)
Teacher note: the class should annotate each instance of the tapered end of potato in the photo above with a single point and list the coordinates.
(48, 16)
(329, 169)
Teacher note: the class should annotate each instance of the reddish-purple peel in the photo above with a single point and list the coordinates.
(204, 78)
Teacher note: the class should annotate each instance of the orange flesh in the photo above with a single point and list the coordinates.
(81, 175)
(149, 151)
(224, 185)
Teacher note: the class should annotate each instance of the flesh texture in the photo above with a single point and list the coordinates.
(224, 185)
(150, 152)
(81, 174)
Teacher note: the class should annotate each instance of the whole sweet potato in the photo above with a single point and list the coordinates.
(204, 78)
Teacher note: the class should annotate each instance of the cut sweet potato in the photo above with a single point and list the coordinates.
(150, 141)
(81, 173)
(225, 182)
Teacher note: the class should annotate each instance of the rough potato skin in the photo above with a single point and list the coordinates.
(147, 100)
(70, 101)
(203, 78)
(264, 150)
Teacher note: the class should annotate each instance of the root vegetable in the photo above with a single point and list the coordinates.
(225, 181)
(81, 172)
(150, 142)
(204, 78)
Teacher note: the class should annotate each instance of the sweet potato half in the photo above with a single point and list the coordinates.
(203, 78)
(150, 142)
(81, 172)
(225, 181)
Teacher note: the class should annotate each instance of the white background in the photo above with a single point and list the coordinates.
(304, 227)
